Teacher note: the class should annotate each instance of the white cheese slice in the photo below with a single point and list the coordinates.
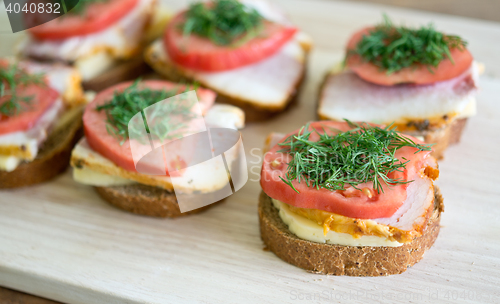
(9, 163)
(227, 116)
(121, 39)
(90, 177)
(94, 169)
(203, 177)
(345, 95)
(308, 230)
(95, 64)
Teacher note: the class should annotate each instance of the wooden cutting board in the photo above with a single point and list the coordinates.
(61, 241)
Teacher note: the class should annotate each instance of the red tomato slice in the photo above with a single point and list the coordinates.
(200, 53)
(350, 202)
(98, 16)
(418, 74)
(42, 99)
(94, 122)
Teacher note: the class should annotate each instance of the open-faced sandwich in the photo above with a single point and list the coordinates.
(248, 52)
(102, 39)
(349, 199)
(104, 157)
(423, 80)
(40, 120)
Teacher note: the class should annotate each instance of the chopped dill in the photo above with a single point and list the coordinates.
(363, 154)
(393, 48)
(222, 21)
(126, 104)
(10, 78)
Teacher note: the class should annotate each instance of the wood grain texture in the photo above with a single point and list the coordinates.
(61, 241)
(9, 296)
(480, 9)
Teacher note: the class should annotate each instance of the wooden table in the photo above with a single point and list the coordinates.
(60, 241)
(480, 9)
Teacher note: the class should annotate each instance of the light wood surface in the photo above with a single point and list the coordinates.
(60, 241)
(481, 9)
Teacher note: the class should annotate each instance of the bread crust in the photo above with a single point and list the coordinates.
(52, 159)
(343, 260)
(145, 200)
(441, 138)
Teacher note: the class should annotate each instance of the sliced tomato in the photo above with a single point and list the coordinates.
(349, 202)
(95, 122)
(200, 53)
(42, 97)
(418, 74)
(98, 16)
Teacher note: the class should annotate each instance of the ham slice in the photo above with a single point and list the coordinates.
(120, 40)
(345, 95)
(267, 83)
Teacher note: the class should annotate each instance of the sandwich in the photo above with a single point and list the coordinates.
(103, 40)
(40, 120)
(423, 80)
(105, 157)
(248, 52)
(347, 198)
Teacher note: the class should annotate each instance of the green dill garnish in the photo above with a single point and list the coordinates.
(126, 104)
(393, 48)
(10, 78)
(222, 21)
(363, 154)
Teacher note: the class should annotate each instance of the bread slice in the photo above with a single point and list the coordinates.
(145, 200)
(343, 260)
(254, 111)
(443, 138)
(52, 159)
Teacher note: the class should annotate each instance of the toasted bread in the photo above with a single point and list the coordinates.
(343, 260)
(145, 200)
(52, 159)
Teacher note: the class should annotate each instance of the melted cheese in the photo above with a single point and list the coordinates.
(309, 230)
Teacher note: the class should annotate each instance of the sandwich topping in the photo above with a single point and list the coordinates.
(32, 105)
(106, 119)
(223, 35)
(352, 178)
(92, 36)
(87, 17)
(104, 156)
(24, 98)
(410, 107)
(387, 55)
